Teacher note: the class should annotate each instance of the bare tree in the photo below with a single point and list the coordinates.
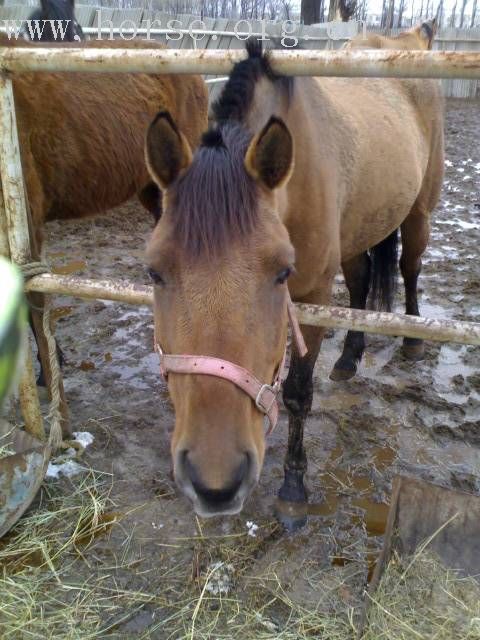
(439, 14)
(310, 11)
(361, 11)
(390, 14)
(453, 15)
(462, 13)
(401, 9)
(332, 10)
(347, 9)
(474, 14)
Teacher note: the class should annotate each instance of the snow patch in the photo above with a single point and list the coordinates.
(64, 465)
(252, 528)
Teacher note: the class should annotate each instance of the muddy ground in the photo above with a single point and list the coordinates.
(422, 419)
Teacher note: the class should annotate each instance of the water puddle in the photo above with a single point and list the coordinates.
(74, 266)
(60, 312)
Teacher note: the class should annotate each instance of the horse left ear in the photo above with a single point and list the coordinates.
(167, 151)
(269, 157)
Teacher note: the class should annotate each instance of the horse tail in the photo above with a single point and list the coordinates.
(384, 271)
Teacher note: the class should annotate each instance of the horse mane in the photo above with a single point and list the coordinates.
(238, 94)
(214, 202)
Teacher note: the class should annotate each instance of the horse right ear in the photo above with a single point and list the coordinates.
(167, 151)
(428, 30)
(269, 157)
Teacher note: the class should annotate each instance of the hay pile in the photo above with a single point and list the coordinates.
(55, 583)
(421, 598)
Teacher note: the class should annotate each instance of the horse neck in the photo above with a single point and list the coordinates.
(269, 99)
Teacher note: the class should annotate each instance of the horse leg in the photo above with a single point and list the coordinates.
(36, 300)
(357, 278)
(415, 233)
(291, 508)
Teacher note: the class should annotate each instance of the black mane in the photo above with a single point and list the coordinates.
(215, 202)
(237, 96)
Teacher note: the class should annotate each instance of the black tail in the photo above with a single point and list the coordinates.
(384, 273)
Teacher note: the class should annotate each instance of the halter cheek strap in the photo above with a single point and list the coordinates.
(263, 395)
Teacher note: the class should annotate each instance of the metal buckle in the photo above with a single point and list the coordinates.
(258, 399)
(161, 354)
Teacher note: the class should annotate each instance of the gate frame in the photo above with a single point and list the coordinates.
(14, 219)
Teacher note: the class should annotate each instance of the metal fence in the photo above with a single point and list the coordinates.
(14, 226)
(219, 33)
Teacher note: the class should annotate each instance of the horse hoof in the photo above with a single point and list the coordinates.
(292, 515)
(338, 374)
(414, 351)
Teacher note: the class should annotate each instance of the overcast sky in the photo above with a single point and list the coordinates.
(375, 6)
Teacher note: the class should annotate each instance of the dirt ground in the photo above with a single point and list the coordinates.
(421, 419)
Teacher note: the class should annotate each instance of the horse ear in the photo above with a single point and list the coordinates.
(269, 157)
(428, 29)
(167, 151)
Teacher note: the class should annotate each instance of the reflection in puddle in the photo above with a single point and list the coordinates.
(69, 267)
(60, 312)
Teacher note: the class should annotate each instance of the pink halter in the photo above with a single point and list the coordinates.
(263, 395)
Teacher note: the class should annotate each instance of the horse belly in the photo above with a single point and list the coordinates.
(383, 185)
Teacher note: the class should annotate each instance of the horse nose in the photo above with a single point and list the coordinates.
(217, 500)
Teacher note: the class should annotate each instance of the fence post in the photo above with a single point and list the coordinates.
(14, 220)
(28, 395)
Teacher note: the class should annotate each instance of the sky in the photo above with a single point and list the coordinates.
(375, 6)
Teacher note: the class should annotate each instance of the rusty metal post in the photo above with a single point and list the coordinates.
(389, 324)
(15, 241)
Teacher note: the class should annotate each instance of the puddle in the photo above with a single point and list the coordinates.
(60, 312)
(69, 267)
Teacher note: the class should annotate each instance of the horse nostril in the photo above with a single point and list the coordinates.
(217, 496)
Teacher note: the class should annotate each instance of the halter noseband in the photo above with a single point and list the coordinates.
(263, 395)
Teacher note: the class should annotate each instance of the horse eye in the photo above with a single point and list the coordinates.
(155, 277)
(283, 275)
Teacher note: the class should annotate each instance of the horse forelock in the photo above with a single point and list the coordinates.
(214, 202)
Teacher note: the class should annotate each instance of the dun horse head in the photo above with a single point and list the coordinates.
(220, 258)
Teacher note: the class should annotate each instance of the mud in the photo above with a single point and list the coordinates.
(422, 419)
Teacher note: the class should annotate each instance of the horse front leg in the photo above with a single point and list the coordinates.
(357, 273)
(291, 507)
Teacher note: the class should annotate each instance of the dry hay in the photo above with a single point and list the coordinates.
(55, 585)
(420, 598)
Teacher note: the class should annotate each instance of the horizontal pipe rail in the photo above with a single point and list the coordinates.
(390, 324)
(381, 63)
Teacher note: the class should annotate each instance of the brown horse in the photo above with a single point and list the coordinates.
(241, 216)
(420, 37)
(81, 141)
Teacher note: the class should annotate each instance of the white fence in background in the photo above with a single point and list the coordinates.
(220, 34)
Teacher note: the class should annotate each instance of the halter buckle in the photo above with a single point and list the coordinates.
(259, 399)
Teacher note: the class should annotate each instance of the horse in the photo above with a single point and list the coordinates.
(50, 16)
(81, 140)
(420, 37)
(247, 222)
